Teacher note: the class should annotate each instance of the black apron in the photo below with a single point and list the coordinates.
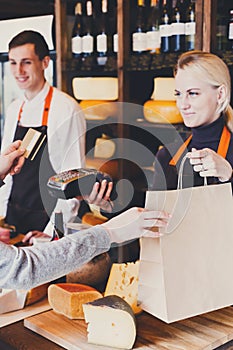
(30, 205)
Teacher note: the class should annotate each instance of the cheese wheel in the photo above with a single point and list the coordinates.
(111, 322)
(68, 298)
(99, 110)
(162, 112)
(123, 281)
(95, 88)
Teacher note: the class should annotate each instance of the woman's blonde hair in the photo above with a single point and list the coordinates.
(214, 71)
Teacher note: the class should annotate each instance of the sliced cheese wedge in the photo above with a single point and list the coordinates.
(123, 281)
(68, 298)
(111, 322)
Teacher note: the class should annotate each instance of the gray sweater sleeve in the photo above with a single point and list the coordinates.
(24, 268)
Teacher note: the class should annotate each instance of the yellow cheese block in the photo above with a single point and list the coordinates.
(98, 109)
(68, 298)
(123, 282)
(162, 112)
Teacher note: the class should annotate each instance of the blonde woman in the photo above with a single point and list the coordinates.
(202, 90)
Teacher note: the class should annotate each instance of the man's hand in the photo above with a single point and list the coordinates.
(100, 196)
(11, 160)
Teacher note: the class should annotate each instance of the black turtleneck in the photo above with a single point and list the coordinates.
(207, 136)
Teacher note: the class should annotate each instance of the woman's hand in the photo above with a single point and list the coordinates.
(208, 163)
(33, 237)
(135, 223)
(100, 195)
(4, 235)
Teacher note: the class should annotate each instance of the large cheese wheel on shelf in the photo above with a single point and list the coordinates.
(68, 298)
(99, 109)
(158, 111)
(95, 88)
(111, 322)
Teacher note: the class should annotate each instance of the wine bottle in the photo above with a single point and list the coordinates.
(59, 225)
(177, 28)
(102, 36)
(190, 26)
(76, 41)
(230, 32)
(221, 28)
(165, 28)
(113, 35)
(88, 37)
(113, 27)
(139, 39)
(153, 33)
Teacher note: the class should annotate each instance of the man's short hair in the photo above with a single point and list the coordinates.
(31, 37)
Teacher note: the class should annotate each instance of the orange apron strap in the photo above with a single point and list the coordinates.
(47, 106)
(180, 151)
(224, 142)
(20, 111)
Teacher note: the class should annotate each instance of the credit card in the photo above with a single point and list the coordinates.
(32, 142)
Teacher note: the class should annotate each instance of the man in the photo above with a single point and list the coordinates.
(24, 200)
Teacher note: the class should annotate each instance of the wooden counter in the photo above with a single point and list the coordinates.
(206, 332)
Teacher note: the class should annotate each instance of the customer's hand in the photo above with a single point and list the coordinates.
(135, 223)
(33, 237)
(11, 160)
(209, 163)
(4, 235)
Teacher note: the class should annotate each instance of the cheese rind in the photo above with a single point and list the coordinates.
(68, 298)
(37, 293)
(123, 281)
(111, 322)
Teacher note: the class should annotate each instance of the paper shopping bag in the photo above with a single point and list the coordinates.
(189, 270)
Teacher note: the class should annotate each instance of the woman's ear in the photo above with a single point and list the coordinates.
(222, 94)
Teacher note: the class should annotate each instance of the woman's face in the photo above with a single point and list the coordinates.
(196, 99)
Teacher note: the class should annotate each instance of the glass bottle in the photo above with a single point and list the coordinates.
(190, 26)
(165, 28)
(177, 28)
(58, 225)
(221, 27)
(139, 42)
(230, 31)
(153, 33)
(102, 36)
(76, 40)
(88, 37)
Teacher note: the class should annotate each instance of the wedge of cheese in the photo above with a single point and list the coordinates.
(111, 322)
(68, 298)
(123, 281)
(37, 293)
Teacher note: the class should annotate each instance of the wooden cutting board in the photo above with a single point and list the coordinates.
(14, 316)
(204, 332)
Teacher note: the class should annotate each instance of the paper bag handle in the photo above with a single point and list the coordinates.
(180, 174)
